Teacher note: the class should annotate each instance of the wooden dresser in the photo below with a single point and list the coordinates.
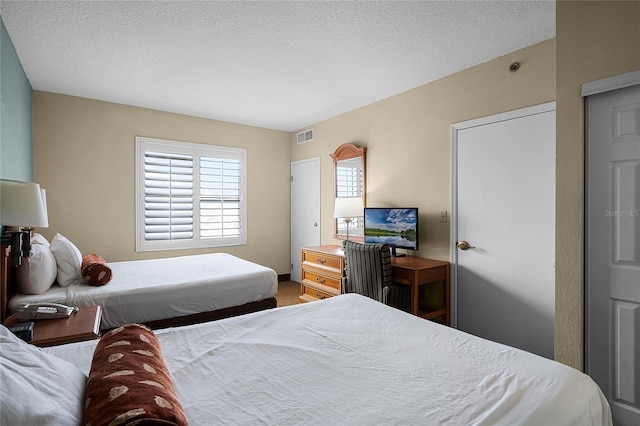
(322, 272)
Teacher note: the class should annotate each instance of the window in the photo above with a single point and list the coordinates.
(189, 195)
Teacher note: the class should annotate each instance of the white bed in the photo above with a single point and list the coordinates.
(144, 291)
(351, 360)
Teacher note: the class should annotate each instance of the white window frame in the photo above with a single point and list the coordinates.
(145, 144)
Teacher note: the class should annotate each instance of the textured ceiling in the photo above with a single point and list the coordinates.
(278, 65)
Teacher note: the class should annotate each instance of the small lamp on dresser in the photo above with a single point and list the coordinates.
(23, 205)
(347, 208)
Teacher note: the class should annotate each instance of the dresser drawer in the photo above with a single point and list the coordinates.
(310, 293)
(323, 261)
(321, 279)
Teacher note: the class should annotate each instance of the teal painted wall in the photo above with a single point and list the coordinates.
(16, 160)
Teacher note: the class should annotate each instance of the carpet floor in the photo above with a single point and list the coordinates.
(288, 292)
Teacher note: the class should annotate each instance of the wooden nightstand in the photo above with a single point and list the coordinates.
(80, 326)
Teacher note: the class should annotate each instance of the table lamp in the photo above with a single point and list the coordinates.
(23, 205)
(348, 208)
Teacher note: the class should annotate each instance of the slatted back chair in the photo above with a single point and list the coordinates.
(369, 272)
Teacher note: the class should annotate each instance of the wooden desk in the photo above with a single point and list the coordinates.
(418, 271)
(80, 326)
(323, 267)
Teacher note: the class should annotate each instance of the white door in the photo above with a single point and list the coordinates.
(504, 207)
(613, 249)
(305, 209)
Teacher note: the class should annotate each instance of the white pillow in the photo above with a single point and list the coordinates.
(37, 273)
(39, 239)
(38, 388)
(69, 261)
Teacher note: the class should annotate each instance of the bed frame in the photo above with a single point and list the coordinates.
(8, 288)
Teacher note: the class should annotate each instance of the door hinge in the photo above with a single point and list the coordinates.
(291, 178)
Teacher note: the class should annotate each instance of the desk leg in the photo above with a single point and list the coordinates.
(415, 294)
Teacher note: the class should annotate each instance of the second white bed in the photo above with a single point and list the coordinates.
(150, 290)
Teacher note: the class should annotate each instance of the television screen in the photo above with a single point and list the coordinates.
(397, 227)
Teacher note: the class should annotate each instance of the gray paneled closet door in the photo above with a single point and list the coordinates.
(613, 249)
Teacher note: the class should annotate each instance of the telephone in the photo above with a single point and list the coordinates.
(34, 311)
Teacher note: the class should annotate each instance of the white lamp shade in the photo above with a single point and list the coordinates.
(348, 207)
(22, 204)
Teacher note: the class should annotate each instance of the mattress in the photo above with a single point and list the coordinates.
(150, 290)
(351, 360)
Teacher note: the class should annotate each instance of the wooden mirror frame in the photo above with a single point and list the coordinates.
(349, 151)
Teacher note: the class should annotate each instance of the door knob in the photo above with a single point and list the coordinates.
(315, 224)
(463, 245)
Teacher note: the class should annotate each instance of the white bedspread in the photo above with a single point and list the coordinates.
(148, 290)
(349, 360)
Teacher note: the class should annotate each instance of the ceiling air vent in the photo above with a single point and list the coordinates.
(306, 136)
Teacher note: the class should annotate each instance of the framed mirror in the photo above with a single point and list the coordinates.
(349, 171)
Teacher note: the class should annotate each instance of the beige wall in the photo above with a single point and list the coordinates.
(83, 154)
(408, 137)
(594, 40)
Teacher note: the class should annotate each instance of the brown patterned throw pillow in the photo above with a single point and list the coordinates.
(95, 270)
(129, 382)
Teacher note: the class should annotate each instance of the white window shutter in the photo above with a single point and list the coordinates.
(220, 198)
(189, 195)
(168, 196)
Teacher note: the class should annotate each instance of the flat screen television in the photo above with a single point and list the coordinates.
(397, 227)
